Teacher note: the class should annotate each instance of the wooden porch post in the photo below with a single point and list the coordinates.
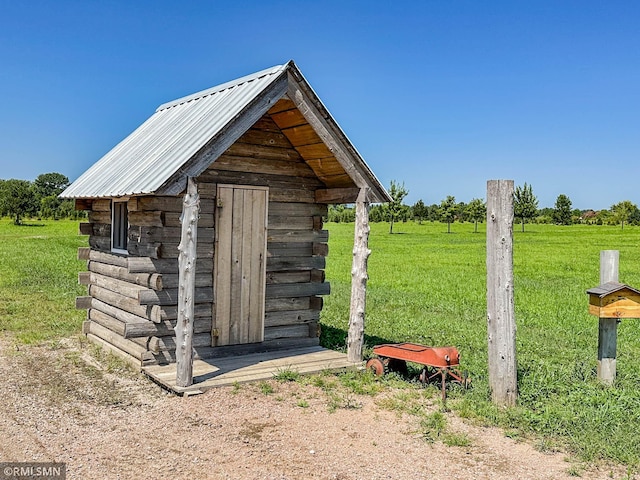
(503, 381)
(355, 337)
(186, 287)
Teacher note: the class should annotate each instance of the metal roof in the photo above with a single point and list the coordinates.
(143, 161)
(184, 136)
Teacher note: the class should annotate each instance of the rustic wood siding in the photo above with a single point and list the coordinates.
(134, 297)
(133, 304)
(296, 242)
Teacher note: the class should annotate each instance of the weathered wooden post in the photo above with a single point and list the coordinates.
(503, 381)
(355, 337)
(186, 285)
(608, 327)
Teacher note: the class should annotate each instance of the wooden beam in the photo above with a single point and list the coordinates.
(83, 303)
(108, 258)
(359, 276)
(295, 263)
(337, 195)
(321, 249)
(162, 265)
(325, 131)
(159, 313)
(186, 285)
(147, 280)
(333, 137)
(500, 298)
(279, 290)
(85, 228)
(84, 278)
(120, 301)
(83, 253)
(137, 351)
(171, 297)
(83, 204)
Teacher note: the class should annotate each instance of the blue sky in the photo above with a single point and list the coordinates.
(441, 95)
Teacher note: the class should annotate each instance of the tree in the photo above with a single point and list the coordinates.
(420, 211)
(377, 213)
(477, 211)
(340, 213)
(525, 203)
(622, 211)
(46, 188)
(634, 217)
(394, 209)
(50, 184)
(433, 214)
(461, 212)
(16, 199)
(562, 210)
(447, 211)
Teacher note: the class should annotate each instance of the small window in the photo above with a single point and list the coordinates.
(119, 227)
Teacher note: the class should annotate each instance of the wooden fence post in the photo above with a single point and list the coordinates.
(503, 381)
(186, 285)
(355, 336)
(608, 327)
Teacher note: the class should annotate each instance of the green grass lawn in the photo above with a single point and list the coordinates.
(425, 286)
(429, 287)
(39, 279)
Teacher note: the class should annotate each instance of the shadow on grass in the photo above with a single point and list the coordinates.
(336, 339)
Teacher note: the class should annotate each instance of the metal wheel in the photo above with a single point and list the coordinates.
(375, 365)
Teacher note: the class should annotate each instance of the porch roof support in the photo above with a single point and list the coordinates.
(359, 277)
(186, 284)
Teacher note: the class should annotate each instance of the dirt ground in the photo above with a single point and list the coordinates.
(67, 403)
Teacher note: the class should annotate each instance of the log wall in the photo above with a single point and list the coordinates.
(132, 302)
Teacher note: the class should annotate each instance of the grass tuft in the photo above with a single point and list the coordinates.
(286, 375)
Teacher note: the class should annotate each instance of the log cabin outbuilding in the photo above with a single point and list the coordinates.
(262, 158)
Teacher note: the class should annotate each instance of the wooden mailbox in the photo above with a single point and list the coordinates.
(614, 300)
(610, 302)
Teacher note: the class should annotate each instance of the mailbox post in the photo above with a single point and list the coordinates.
(611, 301)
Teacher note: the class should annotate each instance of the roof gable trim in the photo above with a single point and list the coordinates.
(314, 111)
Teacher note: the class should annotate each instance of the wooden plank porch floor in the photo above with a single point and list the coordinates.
(217, 372)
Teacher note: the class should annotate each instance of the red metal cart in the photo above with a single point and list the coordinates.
(440, 362)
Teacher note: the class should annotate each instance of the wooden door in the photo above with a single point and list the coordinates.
(240, 264)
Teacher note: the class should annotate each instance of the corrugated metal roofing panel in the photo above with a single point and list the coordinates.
(143, 161)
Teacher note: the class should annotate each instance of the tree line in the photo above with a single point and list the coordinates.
(525, 211)
(20, 199)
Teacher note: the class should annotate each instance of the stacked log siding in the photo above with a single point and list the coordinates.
(132, 299)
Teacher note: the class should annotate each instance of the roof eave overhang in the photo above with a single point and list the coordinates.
(300, 92)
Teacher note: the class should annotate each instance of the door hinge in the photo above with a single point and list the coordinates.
(219, 202)
(215, 332)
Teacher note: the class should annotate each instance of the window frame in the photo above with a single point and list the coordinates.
(118, 224)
